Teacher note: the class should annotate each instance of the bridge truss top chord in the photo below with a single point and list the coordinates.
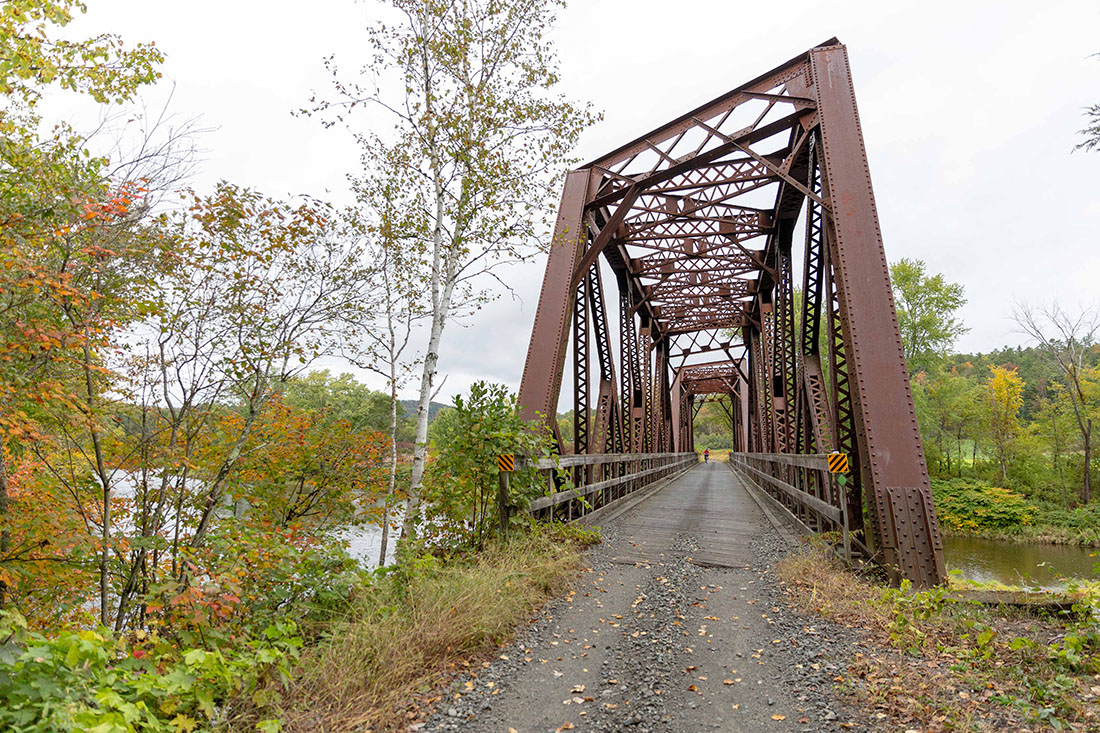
(696, 224)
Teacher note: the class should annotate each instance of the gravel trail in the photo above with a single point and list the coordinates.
(676, 624)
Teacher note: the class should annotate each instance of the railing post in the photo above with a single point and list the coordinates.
(503, 504)
(844, 532)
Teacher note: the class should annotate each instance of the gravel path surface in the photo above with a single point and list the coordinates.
(656, 637)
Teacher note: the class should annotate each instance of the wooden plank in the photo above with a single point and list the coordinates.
(600, 459)
(562, 496)
(816, 461)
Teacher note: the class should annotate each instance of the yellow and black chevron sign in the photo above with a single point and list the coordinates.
(838, 463)
(507, 462)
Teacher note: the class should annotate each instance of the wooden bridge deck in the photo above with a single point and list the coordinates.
(708, 503)
(673, 626)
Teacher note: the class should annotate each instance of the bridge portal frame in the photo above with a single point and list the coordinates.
(699, 272)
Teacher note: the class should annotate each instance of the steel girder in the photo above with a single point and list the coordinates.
(696, 223)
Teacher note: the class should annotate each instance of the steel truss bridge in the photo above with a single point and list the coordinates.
(735, 251)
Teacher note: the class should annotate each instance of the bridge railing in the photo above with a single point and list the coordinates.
(803, 486)
(598, 480)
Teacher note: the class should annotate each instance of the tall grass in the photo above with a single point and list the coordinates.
(410, 628)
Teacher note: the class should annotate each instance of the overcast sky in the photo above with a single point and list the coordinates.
(969, 111)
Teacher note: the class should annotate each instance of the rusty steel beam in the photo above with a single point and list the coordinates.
(542, 372)
(904, 520)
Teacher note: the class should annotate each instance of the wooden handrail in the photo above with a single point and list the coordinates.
(810, 501)
(644, 467)
(814, 461)
(600, 459)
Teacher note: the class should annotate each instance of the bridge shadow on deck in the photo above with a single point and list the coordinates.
(708, 503)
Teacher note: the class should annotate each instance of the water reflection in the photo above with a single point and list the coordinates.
(1042, 565)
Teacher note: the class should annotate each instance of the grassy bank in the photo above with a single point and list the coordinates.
(1049, 534)
(941, 664)
(409, 630)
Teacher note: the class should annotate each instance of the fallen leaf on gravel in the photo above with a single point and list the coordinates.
(777, 716)
(565, 726)
(727, 681)
(578, 701)
(736, 706)
(577, 688)
(693, 688)
(558, 674)
(803, 720)
(610, 705)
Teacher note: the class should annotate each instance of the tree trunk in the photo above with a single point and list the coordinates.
(442, 277)
(5, 535)
(1087, 496)
(393, 465)
(420, 448)
(104, 480)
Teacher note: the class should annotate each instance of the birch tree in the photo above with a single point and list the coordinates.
(469, 85)
(394, 248)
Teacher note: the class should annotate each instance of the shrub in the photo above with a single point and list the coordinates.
(461, 481)
(1083, 517)
(88, 680)
(246, 577)
(969, 505)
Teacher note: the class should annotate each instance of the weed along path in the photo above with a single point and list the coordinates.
(675, 625)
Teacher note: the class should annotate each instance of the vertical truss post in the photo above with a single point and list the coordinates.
(603, 433)
(645, 375)
(580, 369)
(786, 349)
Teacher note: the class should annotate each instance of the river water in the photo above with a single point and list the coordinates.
(1027, 564)
(365, 542)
